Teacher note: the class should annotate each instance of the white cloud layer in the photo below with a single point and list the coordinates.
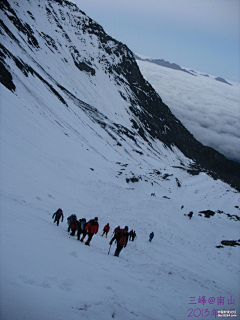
(209, 109)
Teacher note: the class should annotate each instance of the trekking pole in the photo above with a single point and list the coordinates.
(109, 249)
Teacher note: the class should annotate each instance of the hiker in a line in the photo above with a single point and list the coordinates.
(58, 214)
(115, 231)
(70, 219)
(130, 235)
(91, 228)
(134, 235)
(122, 239)
(151, 236)
(106, 229)
(81, 227)
(190, 215)
(73, 227)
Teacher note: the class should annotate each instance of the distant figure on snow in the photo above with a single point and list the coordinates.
(91, 228)
(106, 229)
(190, 215)
(58, 214)
(81, 227)
(151, 236)
(122, 239)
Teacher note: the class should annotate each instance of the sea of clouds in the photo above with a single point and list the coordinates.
(209, 109)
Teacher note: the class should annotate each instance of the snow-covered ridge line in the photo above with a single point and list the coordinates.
(174, 66)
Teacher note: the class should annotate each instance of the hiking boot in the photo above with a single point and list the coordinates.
(116, 254)
(87, 244)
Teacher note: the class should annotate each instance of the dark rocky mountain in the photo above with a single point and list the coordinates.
(222, 80)
(54, 45)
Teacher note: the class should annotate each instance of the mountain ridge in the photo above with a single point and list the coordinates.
(167, 64)
(101, 56)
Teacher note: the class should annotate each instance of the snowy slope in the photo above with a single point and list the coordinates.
(56, 154)
(46, 275)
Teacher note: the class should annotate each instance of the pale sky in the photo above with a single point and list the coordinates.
(200, 34)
